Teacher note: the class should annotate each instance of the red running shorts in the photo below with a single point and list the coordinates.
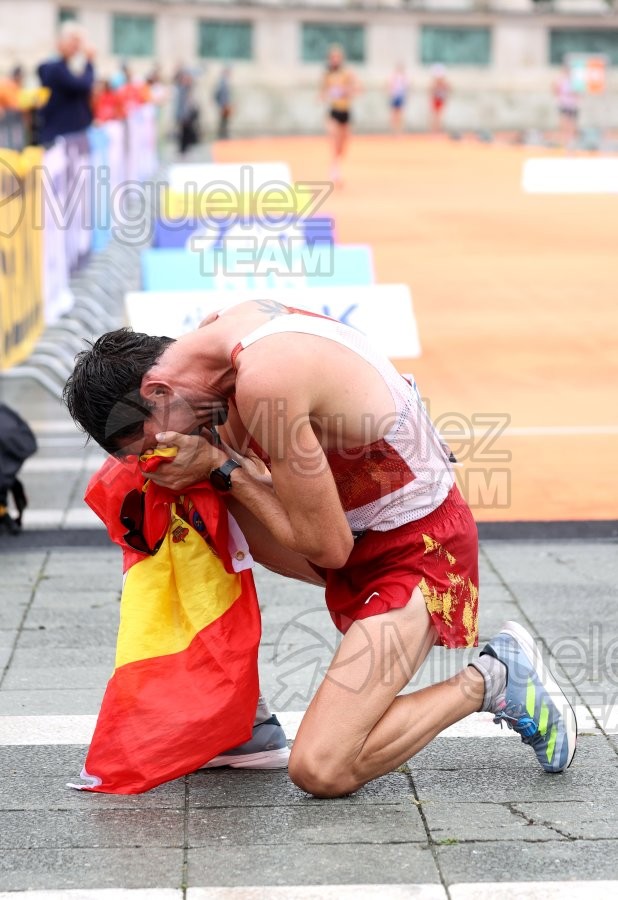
(438, 553)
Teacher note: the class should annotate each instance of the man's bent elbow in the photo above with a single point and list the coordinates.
(334, 556)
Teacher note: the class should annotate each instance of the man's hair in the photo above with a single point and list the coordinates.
(103, 393)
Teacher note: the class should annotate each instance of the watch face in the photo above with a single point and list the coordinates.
(220, 480)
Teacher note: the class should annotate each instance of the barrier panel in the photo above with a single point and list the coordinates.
(100, 184)
(58, 297)
(232, 190)
(247, 265)
(78, 216)
(56, 206)
(169, 234)
(598, 175)
(21, 295)
(384, 312)
(142, 162)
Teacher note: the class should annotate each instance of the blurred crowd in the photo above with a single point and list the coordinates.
(70, 95)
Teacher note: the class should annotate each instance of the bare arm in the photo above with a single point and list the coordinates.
(299, 507)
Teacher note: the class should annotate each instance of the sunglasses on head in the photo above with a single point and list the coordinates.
(132, 514)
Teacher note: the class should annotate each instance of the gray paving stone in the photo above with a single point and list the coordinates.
(62, 761)
(565, 562)
(77, 635)
(578, 606)
(12, 609)
(401, 863)
(95, 827)
(452, 822)
(82, 564)
(42, 869)
(510, 860)
(5, 655)
(8, 637)
(235, 788)
(53, 596)
(59, 657)
(506, 786)
(50, 703)
(54, 679)
(585, 820)
(326, 823)
(473, 754)
(19, 568)
(50, 792)
(93, 614)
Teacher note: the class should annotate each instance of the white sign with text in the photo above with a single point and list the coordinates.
(384, 312)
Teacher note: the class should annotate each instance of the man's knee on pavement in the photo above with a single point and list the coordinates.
(321, 772)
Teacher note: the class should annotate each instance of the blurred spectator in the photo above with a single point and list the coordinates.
(397, 94)
(10, 91)
(130, 92)
(187, 111)
(158, 92)
(14, 120)
(105, 102)
(568, 106)
(223, 98)
(70, 82)
(339, 86)
(439, 91)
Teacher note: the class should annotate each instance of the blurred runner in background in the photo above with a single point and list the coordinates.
(339, 87)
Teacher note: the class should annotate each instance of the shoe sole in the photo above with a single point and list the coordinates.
(525, 639)
(265, 759)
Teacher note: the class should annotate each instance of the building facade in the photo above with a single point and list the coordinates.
(502, 56)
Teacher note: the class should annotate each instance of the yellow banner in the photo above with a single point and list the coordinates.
(21, 253)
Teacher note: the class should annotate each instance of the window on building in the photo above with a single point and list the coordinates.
(317, 38)
(455, 46)
(133, 35)
(563, 41)
(67, 14)
(225, 40)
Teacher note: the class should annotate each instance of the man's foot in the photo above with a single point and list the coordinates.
(532, 704)
(267, 749)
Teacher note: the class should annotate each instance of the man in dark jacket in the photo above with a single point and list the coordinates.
(69, 106)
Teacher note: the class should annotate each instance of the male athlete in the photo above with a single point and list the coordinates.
(336, 475)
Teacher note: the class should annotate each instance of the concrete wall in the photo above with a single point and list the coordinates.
(277, 93)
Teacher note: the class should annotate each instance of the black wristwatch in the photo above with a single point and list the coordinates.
(221, 478)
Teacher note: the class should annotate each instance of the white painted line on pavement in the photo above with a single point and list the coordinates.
(56, 730)
(37, 465)
(95, 894)
(531, 431)
(526, 890)
(535, 890)
(54, 426)
(80, 517)
(321, 892)
(277, 892)
(76, 441)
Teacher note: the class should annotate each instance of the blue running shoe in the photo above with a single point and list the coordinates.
(267, 749)
(532, 704)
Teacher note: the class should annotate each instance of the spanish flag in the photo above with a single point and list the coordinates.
(185, 684)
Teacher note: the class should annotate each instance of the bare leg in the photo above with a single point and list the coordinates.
(356, 727)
